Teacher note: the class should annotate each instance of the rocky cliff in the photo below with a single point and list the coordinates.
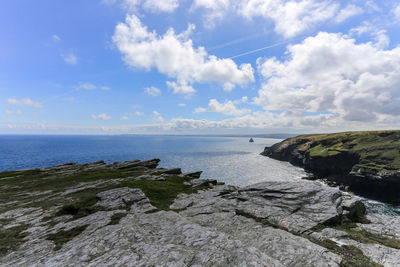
(367, 163)
(134, 214)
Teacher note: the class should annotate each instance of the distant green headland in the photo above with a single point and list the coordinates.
(365, 162)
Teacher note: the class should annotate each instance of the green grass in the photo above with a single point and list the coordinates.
(163, 193)
(12, 238)
(364, 236)
(352, 256)
(62, 236)
(116, 218)
(80, 208)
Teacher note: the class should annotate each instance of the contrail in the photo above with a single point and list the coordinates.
(262, 48)
(237, 41)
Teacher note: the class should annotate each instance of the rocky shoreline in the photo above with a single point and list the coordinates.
(135, 214)
(332, 158)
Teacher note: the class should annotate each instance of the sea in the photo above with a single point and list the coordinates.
(233, 160)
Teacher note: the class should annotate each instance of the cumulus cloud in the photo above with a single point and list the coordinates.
(14, 112)
(180, 88)
(182, 105)
(290, 17)
(138, 113)
(226, 108)
(101, 116)
(215, 10)
(70, 58)
(332, 73)
(348, 12)
(160, 6)
(175, 56)
(152, 91)
(378, 34)
(124, 118)
(24, 102)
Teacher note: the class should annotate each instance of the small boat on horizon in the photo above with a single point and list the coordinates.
(251, 140)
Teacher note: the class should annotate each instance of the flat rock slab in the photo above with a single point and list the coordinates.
(120, 197)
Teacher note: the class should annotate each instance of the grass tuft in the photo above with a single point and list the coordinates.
(12, 238)
(62, 236)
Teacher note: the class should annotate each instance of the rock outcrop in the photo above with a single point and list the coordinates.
(144, 216)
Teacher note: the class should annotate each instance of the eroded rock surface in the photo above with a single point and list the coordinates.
(207, 224)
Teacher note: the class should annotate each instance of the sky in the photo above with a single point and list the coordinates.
(198, 67)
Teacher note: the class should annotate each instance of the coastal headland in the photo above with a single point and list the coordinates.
(366, 163)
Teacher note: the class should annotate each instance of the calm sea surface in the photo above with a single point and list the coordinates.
(228, 159)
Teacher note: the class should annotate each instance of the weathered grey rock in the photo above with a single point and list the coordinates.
(267, 224)
(120, 197)
(296, 206)
(384, 225)
(170, 171)
(193, 174)
(153, 163)
(201, 182)
(376, 252)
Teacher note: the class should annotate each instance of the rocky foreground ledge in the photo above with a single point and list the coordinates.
(366, 163)
(135, 214)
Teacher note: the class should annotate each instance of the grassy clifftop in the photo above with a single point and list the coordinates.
(377, 151)
(366, 163)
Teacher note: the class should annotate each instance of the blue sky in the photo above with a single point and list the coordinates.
(222, 66)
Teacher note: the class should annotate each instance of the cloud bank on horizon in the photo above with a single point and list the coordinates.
(202, 66)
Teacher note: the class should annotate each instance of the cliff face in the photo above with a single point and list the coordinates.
(134, 214)
(367, 163)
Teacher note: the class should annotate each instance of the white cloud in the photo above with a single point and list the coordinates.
(290, 17)
(226, 108)
(138, 113)
(174, 55)
(90, 87)
(379, 35)
(56, 38)
(157, 117)
(182, 105)
(14, 112)
(152, 91)
(396, 12)
(24, 102)
(161, 6)
(70, 59)
(216, 10)
(155, 6)
(101, 116)
(180, 88)
(124, 118)
(348, 12)
(86, 86)
(332, 73)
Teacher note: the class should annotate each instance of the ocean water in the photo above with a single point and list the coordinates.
(232, 160)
